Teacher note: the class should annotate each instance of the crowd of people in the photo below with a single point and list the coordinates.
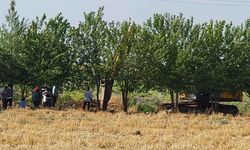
(46, 97)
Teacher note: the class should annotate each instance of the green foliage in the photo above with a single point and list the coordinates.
(244, 107)
(167, 52)
(132, 102)
(11, 46)
(151, 95)
(145, 108)
(89, 49)
(146, 102)
(66, 98)
(75, 95)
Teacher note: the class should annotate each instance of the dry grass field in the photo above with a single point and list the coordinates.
(76, 129)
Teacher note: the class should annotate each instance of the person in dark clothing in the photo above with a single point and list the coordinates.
(203, 98)
(7, 96)
(36, 97)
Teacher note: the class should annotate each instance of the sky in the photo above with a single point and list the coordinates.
(236, 11)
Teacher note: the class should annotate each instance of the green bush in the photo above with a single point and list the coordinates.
(244, 107)
(132, 102)
(76, 95)
(145, 108)
(29, 100)
(66, 98)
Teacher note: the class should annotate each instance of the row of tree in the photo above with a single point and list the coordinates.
(167, 52)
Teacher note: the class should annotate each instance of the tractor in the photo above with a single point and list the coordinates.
(203, 102)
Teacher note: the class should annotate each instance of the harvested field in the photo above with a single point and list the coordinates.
(76, 129)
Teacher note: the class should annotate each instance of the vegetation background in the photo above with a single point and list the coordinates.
(167, 53)
(142, 66)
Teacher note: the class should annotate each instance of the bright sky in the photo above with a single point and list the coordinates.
(236, 11)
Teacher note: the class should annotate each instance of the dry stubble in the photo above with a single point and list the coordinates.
(75, 129)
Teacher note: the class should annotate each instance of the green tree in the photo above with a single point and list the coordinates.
(56, 62)
(88, 45)
(169, 34)
(47, 54)
(11, 43)
(126, 56)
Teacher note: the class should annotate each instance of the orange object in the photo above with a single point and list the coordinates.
(230, 96)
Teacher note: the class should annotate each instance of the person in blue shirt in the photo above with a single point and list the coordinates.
(22, 103)
(87, 98)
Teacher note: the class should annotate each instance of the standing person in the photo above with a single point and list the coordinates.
(7, 95)
(87, 98)
(4, 100)
(44, 94)
(54, 96)
(36, 96)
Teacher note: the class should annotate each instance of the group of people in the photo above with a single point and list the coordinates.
(45, 96)
(48, 97)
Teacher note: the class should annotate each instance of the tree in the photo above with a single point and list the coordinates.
(32, 53)
(119, 59)
(47, 54)
(169, 33)
(56, 62)
(88, 44)
(11, 44)
(216, 58)
(126, 56)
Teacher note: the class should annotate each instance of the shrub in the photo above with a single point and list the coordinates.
(244, 107)
(66, 98)
(75, 95)
(132, 102)
(145, 108)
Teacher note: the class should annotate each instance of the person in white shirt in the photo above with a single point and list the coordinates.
(87, 98)
(54, 96)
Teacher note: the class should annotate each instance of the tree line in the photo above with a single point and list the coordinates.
(167, 52)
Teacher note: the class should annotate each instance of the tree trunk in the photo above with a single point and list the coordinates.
(26, 92)
(177, 101)
(172, 98)
(124, 101)
(107, 93)
(125, 97)
(23, 90)
(216, 103)
(97, 94)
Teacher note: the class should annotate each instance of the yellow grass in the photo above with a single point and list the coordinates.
(76, 129)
